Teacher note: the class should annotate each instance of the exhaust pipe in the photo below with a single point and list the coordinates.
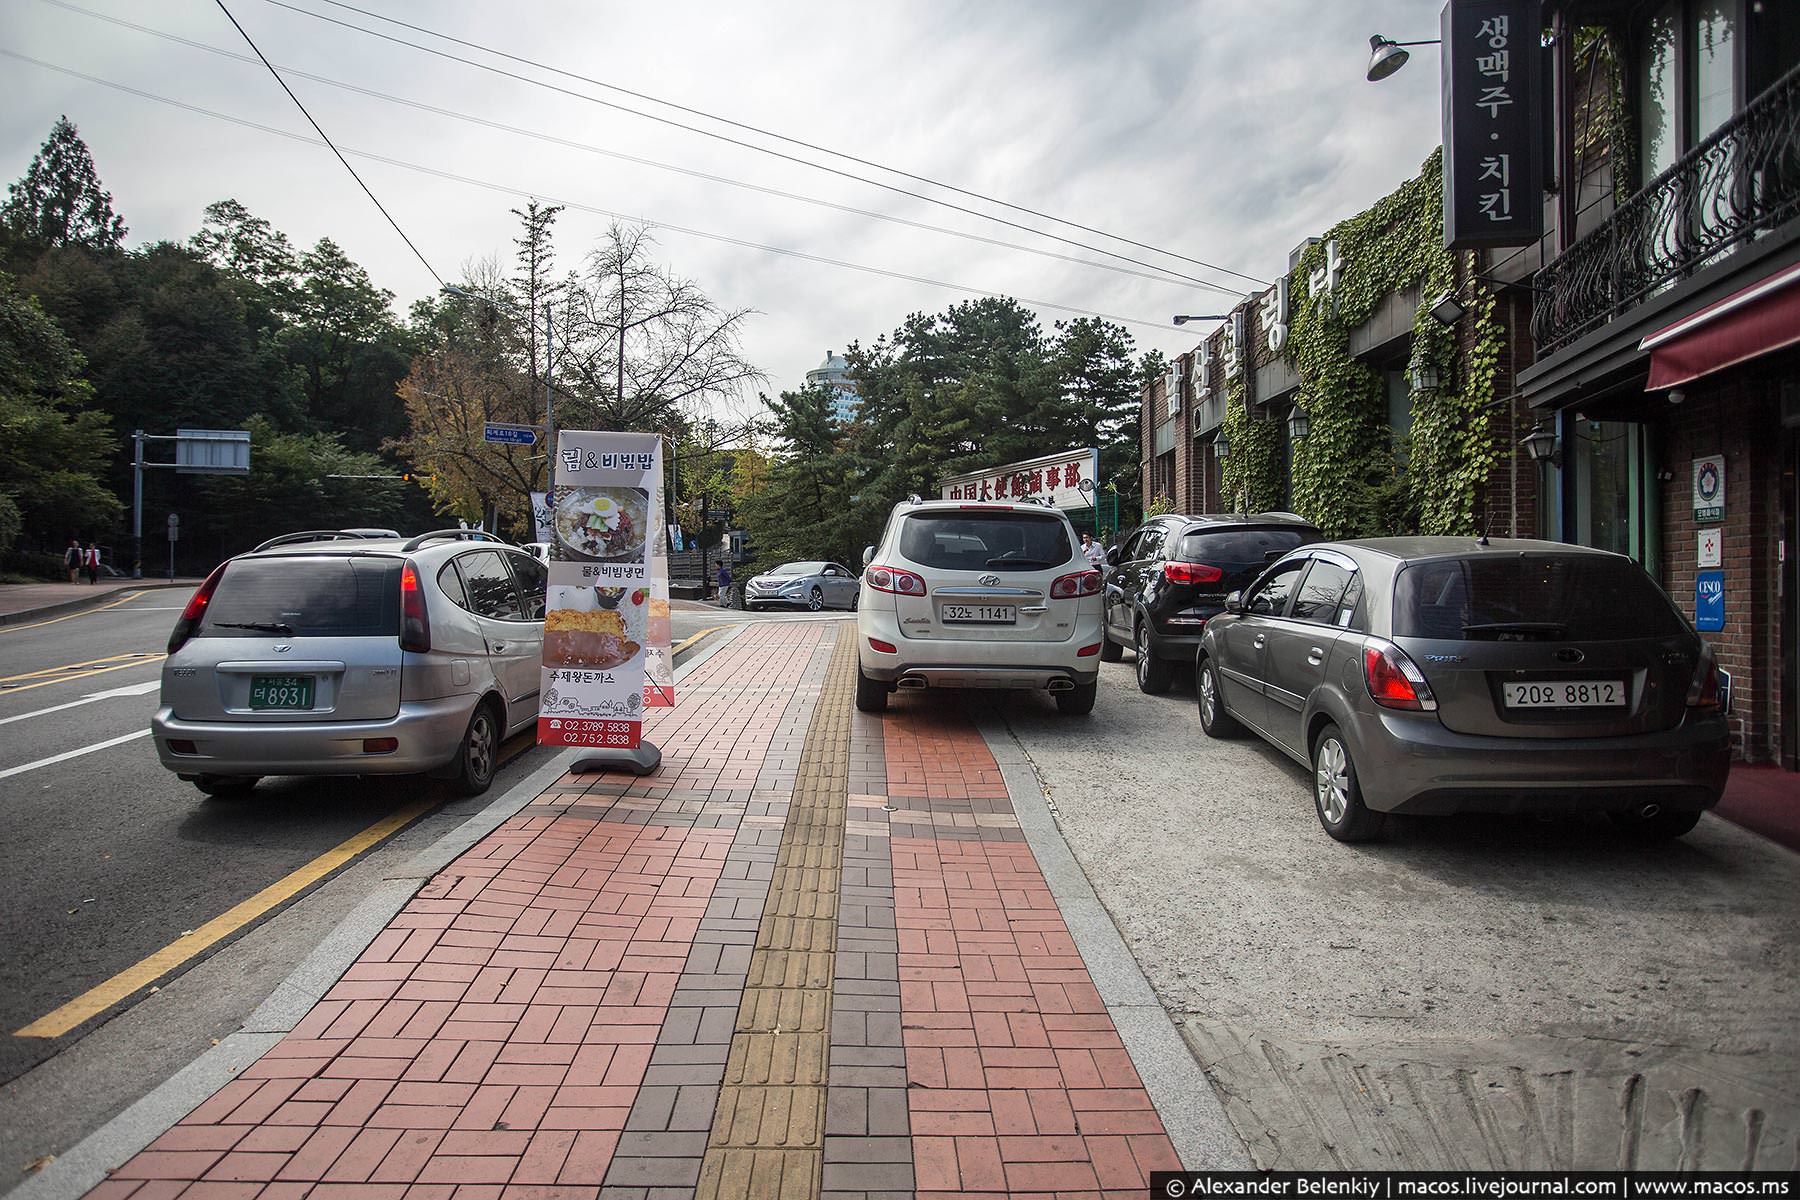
(1062, 685)
(909, 682)
(1646, 811)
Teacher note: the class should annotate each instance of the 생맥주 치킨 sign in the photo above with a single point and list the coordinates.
(599, 619)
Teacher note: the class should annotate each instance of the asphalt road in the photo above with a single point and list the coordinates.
(1467, 993)
(106, 858)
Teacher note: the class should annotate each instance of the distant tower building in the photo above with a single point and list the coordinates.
(834, 373)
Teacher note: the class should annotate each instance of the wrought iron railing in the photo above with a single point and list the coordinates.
(1742, 181)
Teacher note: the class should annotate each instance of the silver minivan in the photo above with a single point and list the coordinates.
(357, 655)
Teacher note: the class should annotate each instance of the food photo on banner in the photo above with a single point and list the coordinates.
(602, 615)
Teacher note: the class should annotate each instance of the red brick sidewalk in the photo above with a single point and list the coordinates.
(554, 1016)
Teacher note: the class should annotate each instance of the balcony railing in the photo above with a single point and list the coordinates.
(1739, 183)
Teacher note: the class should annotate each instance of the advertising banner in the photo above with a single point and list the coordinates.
(602, 615)
(543, 527)
(1064, 480)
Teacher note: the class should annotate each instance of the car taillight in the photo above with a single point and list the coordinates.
(415, 622)
(893, 579)
(1186, 572)
(1081, 583)
(1394, 681)
(882, 647)
(1704, 691)
(1088, 651)
(196, 608)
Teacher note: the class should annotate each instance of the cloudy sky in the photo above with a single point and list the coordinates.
(1223, 131)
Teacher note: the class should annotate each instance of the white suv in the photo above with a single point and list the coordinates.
(978, 595)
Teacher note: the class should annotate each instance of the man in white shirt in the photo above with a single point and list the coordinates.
(1094, 551)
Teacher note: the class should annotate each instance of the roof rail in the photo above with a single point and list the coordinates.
(315, 535)
(438, 535)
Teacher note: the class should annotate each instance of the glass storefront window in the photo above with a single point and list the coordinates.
(1715, 65)
(1612, 487)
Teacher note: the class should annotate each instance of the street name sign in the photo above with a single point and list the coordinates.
(509, 435)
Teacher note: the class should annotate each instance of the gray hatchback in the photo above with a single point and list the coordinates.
(1439, 675)
(332, 653)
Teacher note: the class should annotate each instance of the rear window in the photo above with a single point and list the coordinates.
(999, 541)
(306, 596)
(1532, 598)
(1235, 551)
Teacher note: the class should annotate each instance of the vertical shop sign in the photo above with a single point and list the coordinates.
(598, 622)
(1493, 123)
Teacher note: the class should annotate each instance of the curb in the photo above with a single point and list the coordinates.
(1184, 1097)
(88, 1161)
(70, 607)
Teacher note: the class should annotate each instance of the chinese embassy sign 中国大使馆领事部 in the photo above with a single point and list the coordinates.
(1064, 480)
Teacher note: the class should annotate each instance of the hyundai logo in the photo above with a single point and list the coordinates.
(282, 649)
(1569, 654)
(990, 581)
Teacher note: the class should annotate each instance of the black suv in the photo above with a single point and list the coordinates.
(1172, 573)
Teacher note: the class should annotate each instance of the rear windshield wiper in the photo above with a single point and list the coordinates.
(1553, 628)
(1022, 562)
(259, 626)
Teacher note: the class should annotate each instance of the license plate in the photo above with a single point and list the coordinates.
(1565, 693)
(980, 614)
(281, 691)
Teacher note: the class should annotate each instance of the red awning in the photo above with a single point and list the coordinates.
(1764, 317)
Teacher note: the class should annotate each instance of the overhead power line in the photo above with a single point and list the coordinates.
(522, 193)
(769, 133)
(817, 166)
(326, 138)
(1157, 277)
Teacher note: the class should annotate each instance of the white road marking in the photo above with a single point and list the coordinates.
(66, 755)
(136, 689)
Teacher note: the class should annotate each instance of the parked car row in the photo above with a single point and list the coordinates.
(1430, 675)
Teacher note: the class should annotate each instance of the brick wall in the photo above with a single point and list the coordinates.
(1740, 419)
(1508, 504)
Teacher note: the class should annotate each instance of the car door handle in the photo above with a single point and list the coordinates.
(1315, 656)
(497, 647)
(1260, 639)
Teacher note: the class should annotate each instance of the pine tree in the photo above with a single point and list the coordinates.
(535, 254)
(60, 202)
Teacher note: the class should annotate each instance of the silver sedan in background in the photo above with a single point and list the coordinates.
(812, 585)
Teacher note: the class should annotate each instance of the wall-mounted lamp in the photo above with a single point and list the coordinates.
(1542, 445)
(1386, 55)
(1221, 446)
(1424, 377)
(1184, 318)
(1447, 310)
(1298, 423)
(1676, 395)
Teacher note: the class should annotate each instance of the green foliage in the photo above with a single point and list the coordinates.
(1348, 476)
(60, 202)
(289, 487)
(1158, 506)
(1251, 476)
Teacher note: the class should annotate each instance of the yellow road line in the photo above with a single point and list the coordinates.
(148, 660)
(92, 662)
(71, 616)
(97, 1000)
(690, 640)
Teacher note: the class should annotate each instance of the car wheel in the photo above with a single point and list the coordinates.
(1214, 720)
(1337, 794)
(1079, 701)
(815, 600)
(1110, 651)
(1663, 826)
(224, 786)
(1153, 674)
(871, 694)
(477, 758)
(855, 599)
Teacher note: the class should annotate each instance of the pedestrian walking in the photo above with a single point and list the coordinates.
(92, 561)
(72, 559)
(1095, 552)
(724, 584)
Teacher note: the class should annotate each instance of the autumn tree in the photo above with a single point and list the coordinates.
(60, 202)
(450, 396)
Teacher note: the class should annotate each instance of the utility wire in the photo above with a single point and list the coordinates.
(328, 142)
(520, 193)
(768, 133)
(526, 79)
(1157, 277)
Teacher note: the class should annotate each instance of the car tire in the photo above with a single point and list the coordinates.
(871, 694)
(223, 787)
(815, 600)
(1215, 722)
(1078, 701)
(1153, 674)
(1110, 651)
(477, 757)
(855, 599)
(1337, 793)
(1664, 826)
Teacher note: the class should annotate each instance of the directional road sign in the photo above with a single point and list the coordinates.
(511, 435)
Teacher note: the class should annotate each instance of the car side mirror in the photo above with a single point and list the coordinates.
(1234, 603)
(868, 555)
(1112, 557)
